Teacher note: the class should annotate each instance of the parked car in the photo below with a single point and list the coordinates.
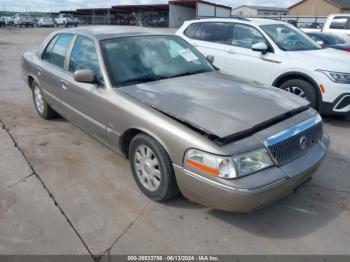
(223, 141)
(66, 20)
(45, 22)
(311, 27)
(2, 21)
(10, 20)
(23, 19)
(275, 53)
(331, 41)
(338, 24)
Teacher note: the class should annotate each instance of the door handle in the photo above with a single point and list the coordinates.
(38, 71)
(231, 51)
(64, 84)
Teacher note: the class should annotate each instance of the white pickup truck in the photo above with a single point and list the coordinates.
(336, 24)
(66, 20)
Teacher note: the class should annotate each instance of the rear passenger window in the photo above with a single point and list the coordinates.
(48, 50)
(340, 23)
(213, 32)
(191, 30)
(56, 54)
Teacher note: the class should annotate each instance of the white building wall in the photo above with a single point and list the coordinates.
(244, 11)
(223, 12)
(205, 10)
(179, 14)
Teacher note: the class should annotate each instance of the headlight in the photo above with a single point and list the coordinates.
(337, 77)
(253, 161)
(228, 167)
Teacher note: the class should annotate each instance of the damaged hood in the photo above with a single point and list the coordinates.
(216, 103)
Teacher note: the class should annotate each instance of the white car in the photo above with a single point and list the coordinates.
(275, 53)
(66, 20)
(10, 20)
(45, 22)
(338, 24)
(23, 19)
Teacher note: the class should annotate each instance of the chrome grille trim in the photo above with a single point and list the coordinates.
(285, 146)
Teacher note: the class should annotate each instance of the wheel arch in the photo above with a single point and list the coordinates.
(127, 136)
(31, 79)
(298, 75)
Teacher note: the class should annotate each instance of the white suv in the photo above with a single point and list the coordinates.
(278, 54)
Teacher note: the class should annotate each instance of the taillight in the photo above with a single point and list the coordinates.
(347, 50)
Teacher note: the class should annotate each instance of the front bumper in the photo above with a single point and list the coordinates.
(333, 94)
(251, 192)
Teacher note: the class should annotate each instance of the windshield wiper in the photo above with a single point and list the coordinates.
(187, 73)
(143, 79)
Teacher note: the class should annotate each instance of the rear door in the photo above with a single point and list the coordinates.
(50, 70)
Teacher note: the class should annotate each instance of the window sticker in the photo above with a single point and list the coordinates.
(188, 55)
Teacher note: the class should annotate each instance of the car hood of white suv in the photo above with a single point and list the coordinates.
(325, 59)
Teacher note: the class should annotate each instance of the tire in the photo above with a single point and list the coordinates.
(46, 112)
(165, 186)
(303, 89)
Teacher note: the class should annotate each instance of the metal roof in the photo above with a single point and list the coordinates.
(264, 8)
(343, 4)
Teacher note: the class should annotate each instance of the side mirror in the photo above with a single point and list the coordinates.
(260, 47)
(84, 76)
(211, 59)
(321, 43)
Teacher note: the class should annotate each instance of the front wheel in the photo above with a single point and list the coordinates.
(302, 89)
(152, 168)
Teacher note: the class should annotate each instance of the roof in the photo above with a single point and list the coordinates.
(255, 21)
(343, 4)
(263, 8)
(106, 32)
(195, 2)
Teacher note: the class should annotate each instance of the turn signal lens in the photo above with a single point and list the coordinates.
(211, 164)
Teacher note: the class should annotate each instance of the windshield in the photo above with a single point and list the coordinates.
(288, 38)
(333, 39)
(133, 60)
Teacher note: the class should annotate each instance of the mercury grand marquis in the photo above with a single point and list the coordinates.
(222, 141)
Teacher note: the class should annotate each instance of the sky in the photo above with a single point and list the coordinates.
(57, 5)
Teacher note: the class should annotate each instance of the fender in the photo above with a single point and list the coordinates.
(307, 77)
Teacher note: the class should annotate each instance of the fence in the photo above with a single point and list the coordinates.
(127, 19)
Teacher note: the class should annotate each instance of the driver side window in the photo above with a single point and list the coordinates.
(84, 56)
(245, 36)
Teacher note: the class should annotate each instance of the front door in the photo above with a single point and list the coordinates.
(243, 60)
(85, 103)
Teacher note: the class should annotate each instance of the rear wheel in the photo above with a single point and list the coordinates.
(152, 168)
(302, 89)
(42, 107)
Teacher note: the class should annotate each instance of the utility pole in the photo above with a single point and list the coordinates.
(3, 6)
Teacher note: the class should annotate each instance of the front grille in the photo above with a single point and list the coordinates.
(292, 147)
